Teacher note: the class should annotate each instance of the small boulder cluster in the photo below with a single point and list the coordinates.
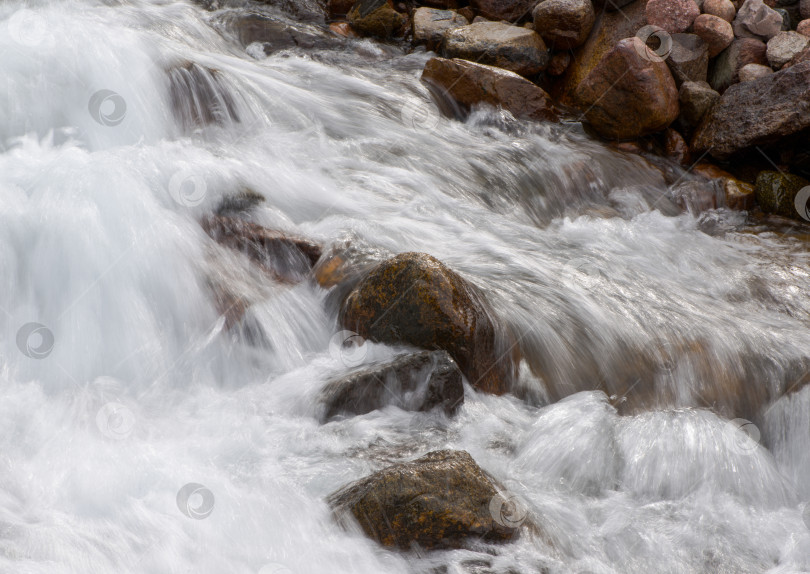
(443, 499)
(715, 79)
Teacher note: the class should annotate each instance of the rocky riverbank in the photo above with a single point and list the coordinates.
(719, 89)
(717, 81)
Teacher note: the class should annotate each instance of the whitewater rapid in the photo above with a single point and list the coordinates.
(126, 386)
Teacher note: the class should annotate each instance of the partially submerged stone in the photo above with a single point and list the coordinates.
(284, 256)
(414, 382)
(441, 500)
(415, 299)
(469, 84)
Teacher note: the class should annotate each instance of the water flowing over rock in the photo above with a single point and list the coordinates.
(441, 500)
(621, 71)
(416, 382)
(469, 84)
(200, 97)
(497, 44)
(757, 112)
(415, 299)
(286, 257)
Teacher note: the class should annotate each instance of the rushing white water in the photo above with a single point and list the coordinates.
(142, 390)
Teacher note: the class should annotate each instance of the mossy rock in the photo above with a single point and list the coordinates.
(414, 299)
(776, 193)
(377, 18)
(438, 501)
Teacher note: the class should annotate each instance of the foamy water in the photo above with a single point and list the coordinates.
(125, 386)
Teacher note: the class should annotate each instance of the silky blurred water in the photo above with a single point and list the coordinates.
(687, 320)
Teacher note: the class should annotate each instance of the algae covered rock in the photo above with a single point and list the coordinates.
(438, 501)
(415, 299)
(783, 194)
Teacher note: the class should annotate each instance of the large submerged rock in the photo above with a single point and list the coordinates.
(415, 299)
(468, 84)
(757, 112)
(442, 500)
(416, 382)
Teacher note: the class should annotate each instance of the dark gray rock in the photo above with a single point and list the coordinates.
(416, 382)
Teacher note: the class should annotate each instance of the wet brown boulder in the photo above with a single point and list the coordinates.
(283, 256)
(715, 31)
(628, 95)
(509, 10)
(509, 47)
(564, 24)
(415, 299)
(415, 382)
(609, 28)
(377, 18)
(757, 112)
(429, 25)
(674, 16)
(468, 84)
(441, 500)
